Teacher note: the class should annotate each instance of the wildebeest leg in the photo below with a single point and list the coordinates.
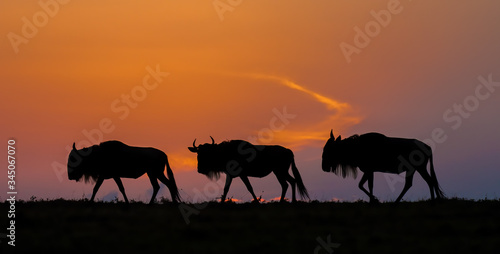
(120, 187)
(96, 187)
(428, 180)
(249, 187)
(229, 179)
(156, 187)
(292, 182)
(167, 183)
(363, 180)
(284, 187)
(408, 183)
(373, 199)
(282, 179)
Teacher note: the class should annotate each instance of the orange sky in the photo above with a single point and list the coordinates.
(228, 78)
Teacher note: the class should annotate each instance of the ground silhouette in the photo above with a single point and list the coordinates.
(63, 226)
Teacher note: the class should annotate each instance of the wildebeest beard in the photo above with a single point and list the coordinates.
(223, 157)
(213, 175)
(89, 178)
(346, 151)
(216, 167)
(86, 168)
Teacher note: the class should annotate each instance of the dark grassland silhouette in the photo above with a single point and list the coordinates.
(63, 226)
(374, 152)
(238, 158)
(114, 159)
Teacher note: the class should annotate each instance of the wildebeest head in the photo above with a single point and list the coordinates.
(78, 165)
(339, 156)
(331, 153)
(209, 159)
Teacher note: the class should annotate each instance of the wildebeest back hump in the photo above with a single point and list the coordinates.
(376, 152)
(375, 145)
(235, 150)
(273, 156)
(385, 153)
(129, 161)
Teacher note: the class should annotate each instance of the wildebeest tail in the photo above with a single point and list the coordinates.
(300, 185)
(172, 185)
(437, 188)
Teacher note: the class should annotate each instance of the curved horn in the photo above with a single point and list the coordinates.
(194, 144)
(331, 133)
(213, 142)
(75, 150)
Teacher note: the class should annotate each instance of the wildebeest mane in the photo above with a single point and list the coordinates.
(228, 151)
(93, 162)
(346, 164)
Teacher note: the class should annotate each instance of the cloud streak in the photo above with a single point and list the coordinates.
(331, 104)
(340, 117)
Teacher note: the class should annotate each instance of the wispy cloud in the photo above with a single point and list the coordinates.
(331, 104)
(340, 116)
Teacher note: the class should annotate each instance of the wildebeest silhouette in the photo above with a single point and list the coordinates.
(374, 152)
(238, 158)
(114, 159)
